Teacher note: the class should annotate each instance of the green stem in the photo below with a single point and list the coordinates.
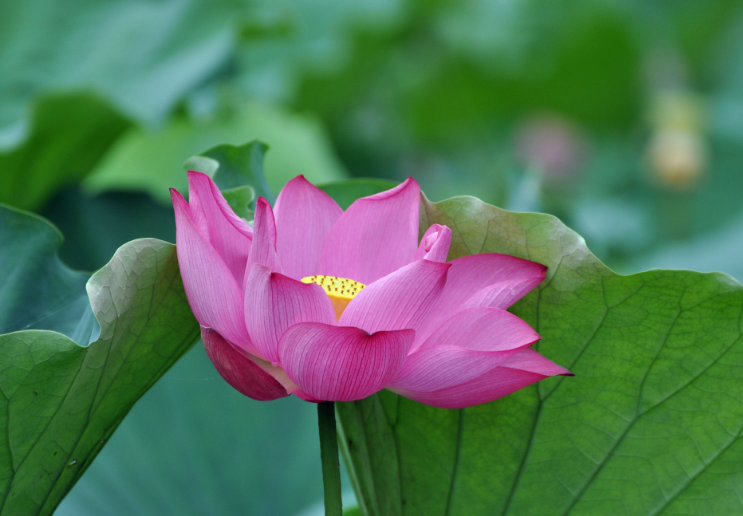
(331, 468)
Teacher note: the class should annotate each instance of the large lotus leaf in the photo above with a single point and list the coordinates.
(62, 401)
(649, 425)
(70, 134)
(153, 161)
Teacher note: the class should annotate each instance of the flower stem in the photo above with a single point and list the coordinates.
(331, 469)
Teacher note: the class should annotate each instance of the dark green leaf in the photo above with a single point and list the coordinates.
(62, 401)
(649, 425)
(345, 192)
(96, 226)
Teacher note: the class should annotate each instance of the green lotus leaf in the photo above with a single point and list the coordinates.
(61, 399)
(649, 425)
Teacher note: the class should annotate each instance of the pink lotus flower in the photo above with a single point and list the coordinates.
(335, 306)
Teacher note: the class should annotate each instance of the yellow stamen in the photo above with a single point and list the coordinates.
(340, 290)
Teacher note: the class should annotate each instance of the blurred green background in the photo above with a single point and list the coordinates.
(625, 119)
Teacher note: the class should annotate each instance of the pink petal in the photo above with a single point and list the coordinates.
(483, 329)
(495, 280)
(401, 300)
(530, 360)
(211, 288)
(304, 216)
(240, 371)
(274, 302)
(376, 235)
(434, 244)
(502, 295)
(445, 366)
(214, 219)
(522, 369)
(299, 393)
(468, 345)
(238, 223)
(334, 363)
(263, 250)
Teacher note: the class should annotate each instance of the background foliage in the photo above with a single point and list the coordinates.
(622, 118)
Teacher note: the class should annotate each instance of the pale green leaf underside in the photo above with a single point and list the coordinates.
(59, 401)
(649, 425)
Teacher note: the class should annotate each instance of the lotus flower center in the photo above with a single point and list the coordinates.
(340, 290)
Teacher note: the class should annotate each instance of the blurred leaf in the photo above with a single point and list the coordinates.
(141, 56)
(282, 42)
(346, 192)
(152, 162)
(651, 423)
(62, 401)
(70, 134)
(719, 250)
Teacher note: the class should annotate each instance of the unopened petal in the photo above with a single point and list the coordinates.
(435, 244)
(231, 239)
(263, 249)
(376, 235)
(333, 363)
(274, 302)
(211, 288)
(240, 371)
(304, 217)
